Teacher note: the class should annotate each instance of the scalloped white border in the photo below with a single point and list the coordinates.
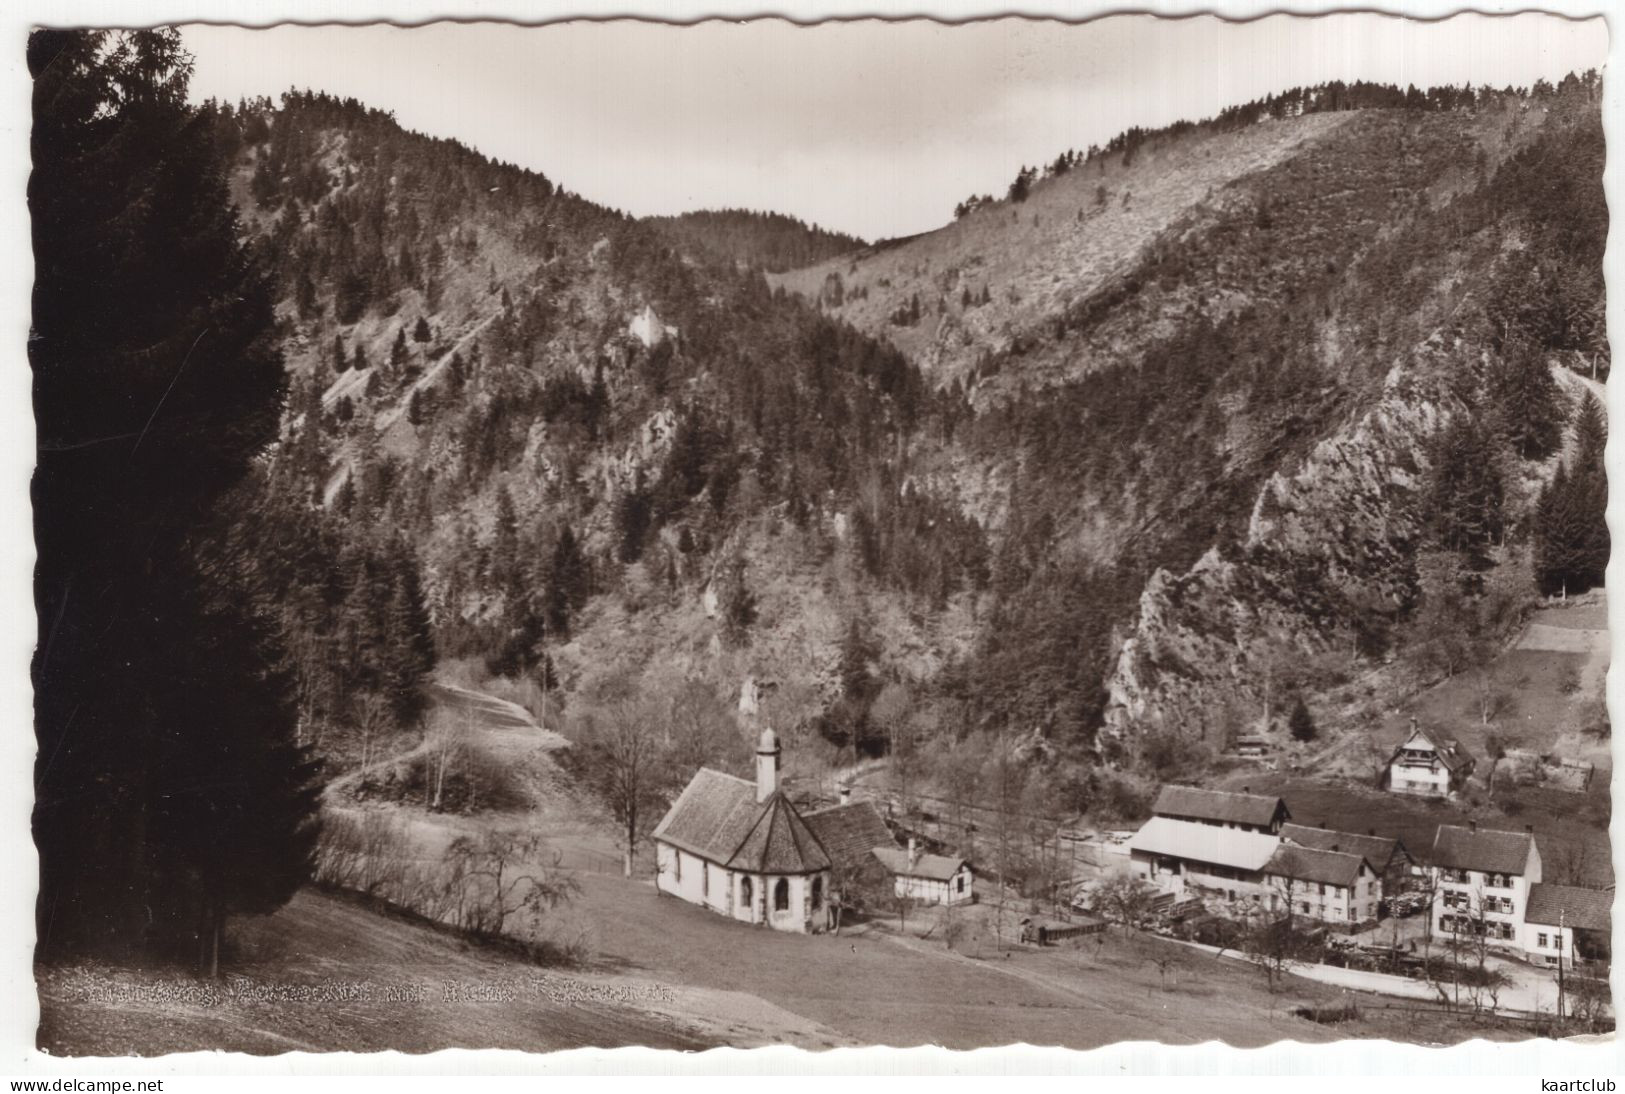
(1229, 1067)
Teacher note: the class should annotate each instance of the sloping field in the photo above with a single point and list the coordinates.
(326, 974)
(875, 988)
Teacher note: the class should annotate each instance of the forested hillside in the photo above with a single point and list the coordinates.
(528, 429)
(1301, 346)
(1080, 467)
(767, 241)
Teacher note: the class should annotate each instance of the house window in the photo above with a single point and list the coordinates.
(961, 882)
(746, 891)
(1304, 907)
(781, 895)
(818, 890)
(1540, 940)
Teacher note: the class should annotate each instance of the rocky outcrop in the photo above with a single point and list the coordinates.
(1325, 541)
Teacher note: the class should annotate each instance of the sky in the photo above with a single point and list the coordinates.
(867, 127)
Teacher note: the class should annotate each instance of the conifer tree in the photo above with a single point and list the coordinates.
(170, 793)
(1300, 723)
(1571, 529)
(505, 573)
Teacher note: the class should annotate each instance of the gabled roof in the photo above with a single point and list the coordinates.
(1313, 865)
(1485, 850)
(1218, 805)
(849, 832)
(1452, 753)
(718, 818)
(712, 816)
(1196, 842)
(1570, 906)
(1379, 851)
(930, 867)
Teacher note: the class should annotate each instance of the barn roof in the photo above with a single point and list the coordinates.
(1570, 906)
(1204, 843)
(718, 818)
(929, 867)
(1483, 849)
(849, 832)
(1379, 851)
(1314, 865)
(1218, 805)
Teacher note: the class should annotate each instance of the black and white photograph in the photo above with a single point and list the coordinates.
(831, 534)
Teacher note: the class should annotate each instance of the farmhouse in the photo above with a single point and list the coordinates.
(742, 849)
(1429, 762)
(1484, 880)
(931, 879)
(1568, 924)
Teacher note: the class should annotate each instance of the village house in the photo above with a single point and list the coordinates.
(1386, 854)
(742, 850)
(1338, 888)
(1428, 762)
(1241, 852)
(1568, 924)
(1483, 880)
(930, 879)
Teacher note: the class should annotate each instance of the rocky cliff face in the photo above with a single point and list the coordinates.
(1337, 534)
(1334, 539)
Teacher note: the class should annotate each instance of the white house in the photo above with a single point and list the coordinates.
(1387, 855)
(1429, 762)
(742, 850)
(931, 879)
(1339, 888)
(1484, 879)
(1567, 923)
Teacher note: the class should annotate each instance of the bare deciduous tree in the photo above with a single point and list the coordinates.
(372, 717)
(1124, 898)
(502, 873)
(620, 750)
(446, 741)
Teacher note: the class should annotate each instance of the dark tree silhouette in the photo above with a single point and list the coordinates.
(169, 791)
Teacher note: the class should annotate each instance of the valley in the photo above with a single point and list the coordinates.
(720, 630)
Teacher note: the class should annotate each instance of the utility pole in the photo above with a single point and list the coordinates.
(1560, 1000)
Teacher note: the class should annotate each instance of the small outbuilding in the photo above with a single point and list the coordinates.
(930, 879)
